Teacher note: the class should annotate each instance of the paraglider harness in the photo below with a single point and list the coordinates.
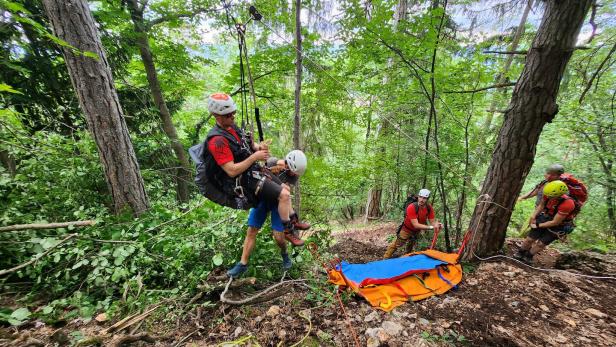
(239, 192)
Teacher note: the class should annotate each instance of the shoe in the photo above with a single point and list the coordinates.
(293, 238)
(297, 224)
(286, 261)
(237, 270)
(520, 254)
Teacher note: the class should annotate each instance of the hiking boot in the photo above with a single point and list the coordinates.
(297, 224)
(301, 225)
(286, 261)
(293, 237)
(523, 256)
(237, 270)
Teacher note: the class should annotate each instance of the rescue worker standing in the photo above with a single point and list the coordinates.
(416, 217)
(551, 220)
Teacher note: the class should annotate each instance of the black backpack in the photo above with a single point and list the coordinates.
(206, 186)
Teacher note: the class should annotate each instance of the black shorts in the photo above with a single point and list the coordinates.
(548, 236)
(267, 189)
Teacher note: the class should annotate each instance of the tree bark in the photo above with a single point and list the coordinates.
(298, 91)
(533, 104)
(72, 22)
(8, 162)
(183, 170)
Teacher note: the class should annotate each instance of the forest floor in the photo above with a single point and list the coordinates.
(499, 303)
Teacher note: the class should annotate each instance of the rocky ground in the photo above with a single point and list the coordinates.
(499, 303)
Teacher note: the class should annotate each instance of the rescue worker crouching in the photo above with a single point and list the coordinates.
(551, 220)
(415, 220)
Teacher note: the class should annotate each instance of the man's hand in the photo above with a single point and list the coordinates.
(533, 225)
(264, 145)
(521, 198)
(261, 154)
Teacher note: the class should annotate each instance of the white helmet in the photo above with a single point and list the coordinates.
(424, 193)
(220, 104)
(297, 162)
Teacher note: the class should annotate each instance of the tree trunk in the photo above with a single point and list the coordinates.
(298, 91)
(8, 162)
(183, 170)
(533, 103)
(72, 22)
(373, 204)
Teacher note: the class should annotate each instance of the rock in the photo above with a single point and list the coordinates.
(372, 316)
(584, 339)
(373, 342)
(472, 282)
(424, 321)
(514, 304)
(449, 300)
(560, 338)
(595, 313)
(258, 319)
(237, 332)
(509, 273)
(274, 310)
(446, 325)
(544, 308)
(60, 338)
(282, 334)
(413, 315)
(570, 322)
(404, 333)
(392, 328)
(101, 318)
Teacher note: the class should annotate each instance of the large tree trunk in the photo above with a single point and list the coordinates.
(183, 171)
(72, 22)
(298, 91)
(533, 104)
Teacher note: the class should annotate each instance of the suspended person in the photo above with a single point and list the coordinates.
(551, 220)
(417, 214)
(285, 172)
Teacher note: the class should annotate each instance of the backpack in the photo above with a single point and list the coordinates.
(577, 189)
(206, 186)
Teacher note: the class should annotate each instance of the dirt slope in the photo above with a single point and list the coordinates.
(498, 303)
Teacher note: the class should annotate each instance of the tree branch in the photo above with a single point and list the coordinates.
(594, 75)
(37, 257)
(526, 51)
(170, 17)
(256, 78)
(19, 227)
(502, 85)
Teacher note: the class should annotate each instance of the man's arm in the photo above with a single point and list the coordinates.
(234, 169)
(435, 223)
(420, 226)
(538, 209)
(530, 194)
(558, 220)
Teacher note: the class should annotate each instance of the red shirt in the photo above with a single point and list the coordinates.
(422, 215)
(219, 147)
(565, 208)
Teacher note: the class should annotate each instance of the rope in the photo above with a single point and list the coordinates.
(347, 320)
(517, 261)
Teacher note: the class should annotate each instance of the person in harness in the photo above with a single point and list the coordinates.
(551, 220)
(415, 220)
(286, 172)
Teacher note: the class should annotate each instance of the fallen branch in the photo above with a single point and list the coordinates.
(128, 321)
(252, 298)
(17, 227)
(124, 340)
(37, 257)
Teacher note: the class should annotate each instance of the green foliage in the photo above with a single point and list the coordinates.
(449, 338)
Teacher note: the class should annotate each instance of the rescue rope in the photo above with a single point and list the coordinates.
(474, 234)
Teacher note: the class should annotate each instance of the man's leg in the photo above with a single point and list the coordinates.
(256, 218)
(280, 196)
(279, 237)
(400, 240)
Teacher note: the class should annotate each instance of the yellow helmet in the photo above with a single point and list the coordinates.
(555, 189)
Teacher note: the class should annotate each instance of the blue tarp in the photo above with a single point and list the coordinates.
(389, 269)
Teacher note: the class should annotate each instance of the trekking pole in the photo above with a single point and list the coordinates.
(436, 230)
